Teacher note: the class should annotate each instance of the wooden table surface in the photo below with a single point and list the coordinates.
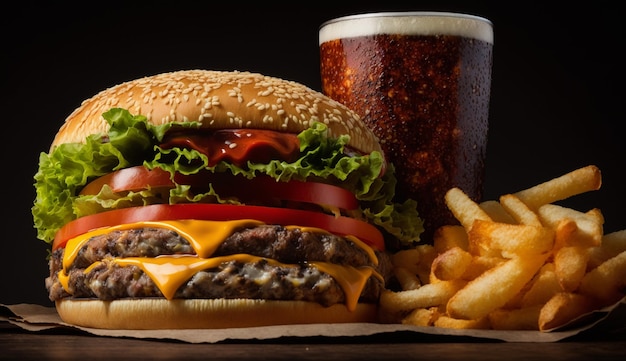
(19, 344)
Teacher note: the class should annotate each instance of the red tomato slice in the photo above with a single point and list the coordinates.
(341, 225)
(257, 189)
(130, 179)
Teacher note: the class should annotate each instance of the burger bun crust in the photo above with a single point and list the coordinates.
(156, 313)
(219, 100)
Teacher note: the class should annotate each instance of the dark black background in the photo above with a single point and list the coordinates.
(557, 94)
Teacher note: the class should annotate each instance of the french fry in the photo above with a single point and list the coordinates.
(596, 215)
(496, 212)
(579, 181)
(613, 244)
(450, 236)
(407, 279)
(464, 209)
(516, 301)
(451, 264)
(519, 210)
(428, 295)
(564, 231)
(519, 263)
(607, 282)
(421, 317)
(427, 255)
(562, 308)
(408, 259)
(570, 265)
(449, 322)
(524, 318)
(517, 239)
(542, 287)
(493, 288)
(589, 226)
(479, 265)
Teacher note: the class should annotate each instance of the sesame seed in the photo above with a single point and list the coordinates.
(266, 92)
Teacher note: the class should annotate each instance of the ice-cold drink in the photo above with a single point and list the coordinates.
(422, 82)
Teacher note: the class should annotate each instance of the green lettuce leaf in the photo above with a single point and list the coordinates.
(131, 140)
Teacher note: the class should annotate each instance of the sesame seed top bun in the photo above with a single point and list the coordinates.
(219, 100)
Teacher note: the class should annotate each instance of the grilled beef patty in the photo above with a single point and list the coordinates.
(231, 279)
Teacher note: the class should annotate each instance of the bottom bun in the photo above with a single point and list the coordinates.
(155, 313)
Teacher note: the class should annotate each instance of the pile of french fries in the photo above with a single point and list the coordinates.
(519, 263)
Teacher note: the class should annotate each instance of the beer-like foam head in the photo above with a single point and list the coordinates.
(407, 23)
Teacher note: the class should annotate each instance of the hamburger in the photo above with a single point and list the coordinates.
(217, 199)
